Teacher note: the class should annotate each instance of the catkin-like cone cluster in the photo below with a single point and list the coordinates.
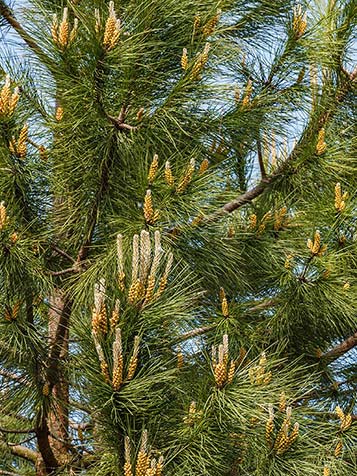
(210, 26)
(144, 464)
(224, 303)
(112, 29)
(3, 215)
(247, 94)
(62, 33)
(8, 99)
(299, 21)
(153, 169)
(146, 283)
(258, 374)
(321, 145)
(223, 371)
(151, 215)
(340, 198)
(345, 419)
(187, 177)
(19, 147)
(200, 63)
(280, 218)
(284, 438)
(315, 246)
(99, 313)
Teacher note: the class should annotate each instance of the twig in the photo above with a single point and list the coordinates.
(8, 473)
(74, 269)
(63, 253)
(21, 451)
(263, 305)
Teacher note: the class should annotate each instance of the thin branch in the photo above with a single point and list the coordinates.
(6, 430)
(341, 348)
(81, 426)
(351, 75)
(74, 269)
(63, 253)
(195, 332)
(13, 376)
(268, 303)
(260, 160)
(21, 451)
(10, 18)
(80, 407)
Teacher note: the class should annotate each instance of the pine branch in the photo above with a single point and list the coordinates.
(81, 426)
(74, 269)
(268, 303)
(42, 433)
(309, 134)
(341, 348)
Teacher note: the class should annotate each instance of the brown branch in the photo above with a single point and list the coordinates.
(63, 253)
(81, 426)
(195, 332)
(268, 303)
(350, 75)
(341, 348)
(120, 125)
(21, 451)
(6, 430)
(74, 269)
(202, 330)
(15, 377)
(260, 160)
(42, 433)
(8, 15)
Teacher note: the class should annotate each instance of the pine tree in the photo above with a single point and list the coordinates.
(178, 239)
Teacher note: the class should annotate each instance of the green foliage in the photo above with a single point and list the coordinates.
(178, 238)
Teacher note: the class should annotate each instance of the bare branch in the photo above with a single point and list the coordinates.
(13, 376)
(81, 426)
(341, 348)
(268, 303)
(74, 269)
(8, 473)
(21, 451)
(260, 160)
(194, 333)
(6, 430)
(63, 253)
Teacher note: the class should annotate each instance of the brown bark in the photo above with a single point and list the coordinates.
(341, 348)
(58, 335)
